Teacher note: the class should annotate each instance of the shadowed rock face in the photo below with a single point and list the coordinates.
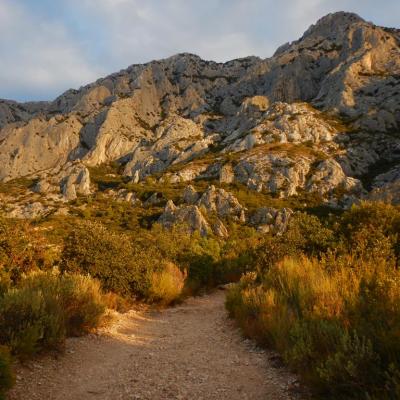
(316, 116)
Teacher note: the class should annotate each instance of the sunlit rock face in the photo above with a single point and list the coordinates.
(317, 117)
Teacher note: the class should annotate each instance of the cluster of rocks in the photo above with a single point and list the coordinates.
(189, 215)
(29, 210)
(71, 180)
(123, 195)
(195, 209)
(177, 140)
(271, 220)
(282, 123)
(203, 213)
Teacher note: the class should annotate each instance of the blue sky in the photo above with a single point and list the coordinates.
(49, 46)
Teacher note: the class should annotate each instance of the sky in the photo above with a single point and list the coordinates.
(49, 46)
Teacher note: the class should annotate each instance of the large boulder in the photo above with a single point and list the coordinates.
(219, 229)
(328, 176)
(188, 215)
(273, 171)
(77, 182)
(193, 218)
(190, 195)
(271, 220)
(221, 202)
(29, 211)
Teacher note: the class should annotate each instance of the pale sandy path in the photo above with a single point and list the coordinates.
(191, 352)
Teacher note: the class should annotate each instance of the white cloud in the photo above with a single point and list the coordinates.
(38, 56)
(221, 30)
(140, 31)
(44, 52)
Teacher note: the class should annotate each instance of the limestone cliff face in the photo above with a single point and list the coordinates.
(317, 116)
(28, 148)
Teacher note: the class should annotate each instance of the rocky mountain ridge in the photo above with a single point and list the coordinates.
(321, 116)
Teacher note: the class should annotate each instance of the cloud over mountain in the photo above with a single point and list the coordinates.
(48, 47)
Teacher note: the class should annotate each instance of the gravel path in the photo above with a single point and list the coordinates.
(192, 351)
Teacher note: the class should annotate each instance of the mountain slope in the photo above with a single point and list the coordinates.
(318, 116)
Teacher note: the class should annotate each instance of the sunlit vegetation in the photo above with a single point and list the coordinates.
(325, 294)
(327, 298)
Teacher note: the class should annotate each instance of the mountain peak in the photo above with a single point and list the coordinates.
(340, 17)
(333, 22)
(184, 56)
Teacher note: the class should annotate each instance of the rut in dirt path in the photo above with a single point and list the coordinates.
(191, 352)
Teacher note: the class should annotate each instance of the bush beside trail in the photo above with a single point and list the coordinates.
(327, 298)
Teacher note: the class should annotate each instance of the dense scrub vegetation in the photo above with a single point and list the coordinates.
(57, 282)
(325, 294)
(135, 264)
(39, 307)
(327, 298)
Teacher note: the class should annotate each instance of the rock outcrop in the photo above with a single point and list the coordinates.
(196, 211)
(71, 180)
(386, 187)
(37, 145)
(284, 123)
(76, 182)
(221, 202)
(177, 140)
(271, 220)
(190, 195)
(29, 211)
(329, 175)
(187, 215)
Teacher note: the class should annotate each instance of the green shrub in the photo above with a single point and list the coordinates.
(22, 250)
(75, 298)
(129, 262)
(6, 373)
(335, 318)
(308, 234)
(167, 284)
(204, 254)
(374, 215)
(371, 230)
(83, 303)
(44, 308)
(237, 254)
(109, 256)
(38, 309)
(27, 323)
(338, 328)
(192, 252)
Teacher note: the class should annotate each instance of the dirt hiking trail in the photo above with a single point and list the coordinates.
(192, 351)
